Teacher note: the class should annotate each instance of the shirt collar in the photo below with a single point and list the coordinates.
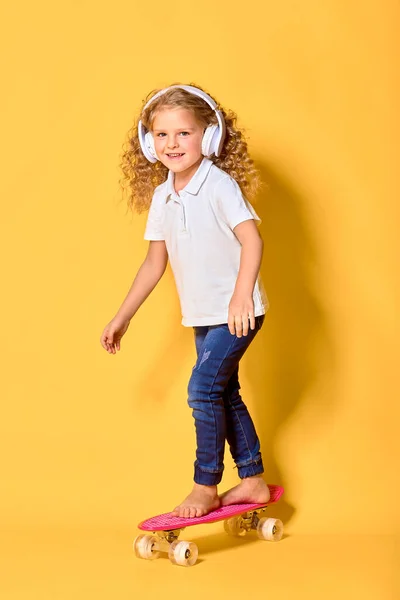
(194, 184)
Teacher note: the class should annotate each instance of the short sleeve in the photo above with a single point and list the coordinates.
(233, 206)
(154, 227)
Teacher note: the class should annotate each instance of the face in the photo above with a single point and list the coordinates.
(176, 131)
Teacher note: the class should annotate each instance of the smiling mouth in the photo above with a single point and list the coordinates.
(175, 154)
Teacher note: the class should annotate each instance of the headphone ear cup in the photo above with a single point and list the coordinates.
(149, 142)
(208, 143)
(145, 142)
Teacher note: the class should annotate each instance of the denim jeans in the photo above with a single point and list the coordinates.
(217, 407)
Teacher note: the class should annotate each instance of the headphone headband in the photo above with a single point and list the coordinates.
(188, 88)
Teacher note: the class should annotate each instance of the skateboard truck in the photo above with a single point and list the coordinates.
(170, 535)
(250, 519)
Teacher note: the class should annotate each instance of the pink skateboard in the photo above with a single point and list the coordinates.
(238, 519)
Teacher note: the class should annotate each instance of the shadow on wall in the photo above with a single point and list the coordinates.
(285, 358)
(294, 343)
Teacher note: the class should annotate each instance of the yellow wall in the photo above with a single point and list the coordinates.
(92, 438)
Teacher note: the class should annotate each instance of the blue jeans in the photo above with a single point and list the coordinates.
(218, 409)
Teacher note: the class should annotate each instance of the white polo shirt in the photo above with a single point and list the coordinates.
(197, 225)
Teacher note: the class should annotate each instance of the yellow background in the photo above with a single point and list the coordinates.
(92, 443)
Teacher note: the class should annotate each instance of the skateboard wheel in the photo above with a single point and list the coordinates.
(145, 547)
(183, 553)
(232, 527)
(270, 529)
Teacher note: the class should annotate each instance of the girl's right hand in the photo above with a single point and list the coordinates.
(112, 334)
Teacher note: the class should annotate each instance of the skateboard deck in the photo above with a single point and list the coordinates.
(238, 519)
(167, 521)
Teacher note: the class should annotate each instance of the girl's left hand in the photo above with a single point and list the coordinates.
(241, 311)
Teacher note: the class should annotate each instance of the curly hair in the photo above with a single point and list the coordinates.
(141, 177)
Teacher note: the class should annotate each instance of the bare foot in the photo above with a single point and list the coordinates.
(202, 500)
(251, 490)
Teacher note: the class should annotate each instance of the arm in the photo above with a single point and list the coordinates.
(149, 274)
(241, 306)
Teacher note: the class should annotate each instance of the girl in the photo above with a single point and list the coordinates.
(187, 163)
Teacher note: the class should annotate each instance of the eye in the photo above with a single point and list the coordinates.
(161, 133)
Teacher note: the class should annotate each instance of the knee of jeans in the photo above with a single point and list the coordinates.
(196, 388)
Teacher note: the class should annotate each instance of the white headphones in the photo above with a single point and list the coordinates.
(213, 137)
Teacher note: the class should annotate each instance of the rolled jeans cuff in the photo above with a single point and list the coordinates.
(255, 468)
(206, 477)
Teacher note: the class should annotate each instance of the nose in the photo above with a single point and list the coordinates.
(171, 143)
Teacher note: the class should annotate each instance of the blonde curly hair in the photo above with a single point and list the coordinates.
(141, 177)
